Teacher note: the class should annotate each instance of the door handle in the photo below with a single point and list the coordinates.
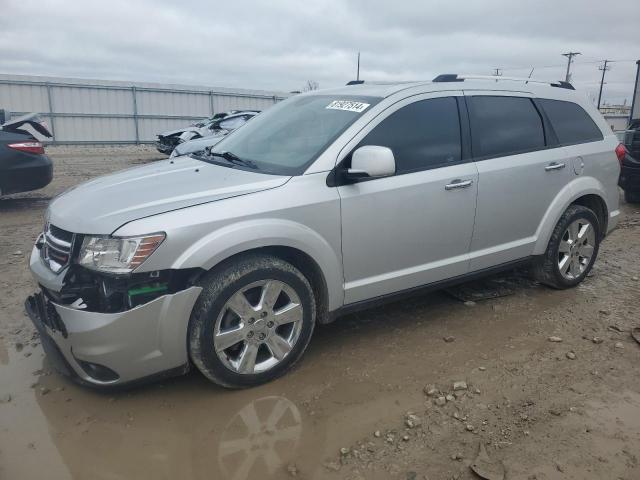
(458, 184)
(554, 166)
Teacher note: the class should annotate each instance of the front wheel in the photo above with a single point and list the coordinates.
(252, 321)
(572, 249)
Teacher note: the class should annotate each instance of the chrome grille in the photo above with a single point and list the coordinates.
(56, 248)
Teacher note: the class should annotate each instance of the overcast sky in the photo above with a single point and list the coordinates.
(278, 45)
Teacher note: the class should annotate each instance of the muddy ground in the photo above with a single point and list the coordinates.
(546, 410)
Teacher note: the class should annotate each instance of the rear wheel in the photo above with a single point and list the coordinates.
(572, 249)
(252, 321)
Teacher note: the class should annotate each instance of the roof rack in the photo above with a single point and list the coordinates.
(455, 77)
(382, 82)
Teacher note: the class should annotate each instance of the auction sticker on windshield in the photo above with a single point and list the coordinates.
(348, 105)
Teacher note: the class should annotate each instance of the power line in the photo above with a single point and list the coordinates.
(574, 62)
(569, 56)
(604, 69)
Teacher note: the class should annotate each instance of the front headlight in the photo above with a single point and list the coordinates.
(118, 255)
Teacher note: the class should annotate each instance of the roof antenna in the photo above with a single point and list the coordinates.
(358, 71)
(530, 73)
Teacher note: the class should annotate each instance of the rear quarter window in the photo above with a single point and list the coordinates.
(570, 122)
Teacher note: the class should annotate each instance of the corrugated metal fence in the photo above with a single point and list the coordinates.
(97, 111)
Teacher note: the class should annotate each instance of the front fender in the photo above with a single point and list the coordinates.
(579, 187)
(225, 242)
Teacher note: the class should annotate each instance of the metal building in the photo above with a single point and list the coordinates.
(102, 111)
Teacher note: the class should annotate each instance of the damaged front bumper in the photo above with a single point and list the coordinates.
(101, 349)
(167, 144)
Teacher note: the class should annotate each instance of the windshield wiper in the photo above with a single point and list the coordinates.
(233, 158)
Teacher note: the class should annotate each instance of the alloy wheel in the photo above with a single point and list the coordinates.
(576, 248)
(258, 326)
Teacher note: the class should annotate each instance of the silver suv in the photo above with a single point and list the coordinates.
(323, 204)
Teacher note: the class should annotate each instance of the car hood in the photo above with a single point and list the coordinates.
(104, 204)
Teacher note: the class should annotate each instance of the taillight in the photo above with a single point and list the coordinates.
(621, 151)
(29, 147)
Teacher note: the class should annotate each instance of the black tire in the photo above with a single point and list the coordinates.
(545, 267)
(218, 286)
(631, 197)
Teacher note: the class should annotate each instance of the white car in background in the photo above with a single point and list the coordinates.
(194, 142)
(214, 125)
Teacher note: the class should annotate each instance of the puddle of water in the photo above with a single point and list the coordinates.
(191, 431)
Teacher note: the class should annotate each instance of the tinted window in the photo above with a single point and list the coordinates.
(570, 122)
(422, 135)
(504, 126)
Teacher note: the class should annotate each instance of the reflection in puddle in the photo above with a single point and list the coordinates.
(205, 437)
(260, 436)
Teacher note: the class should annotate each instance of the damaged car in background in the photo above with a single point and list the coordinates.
(219, 128)
(168, 140)
(215, 125)
(23, 163)
(199, 145)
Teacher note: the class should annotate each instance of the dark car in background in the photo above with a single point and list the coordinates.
(630, 163)
(23, 163)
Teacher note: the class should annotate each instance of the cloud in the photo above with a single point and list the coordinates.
(278, 45)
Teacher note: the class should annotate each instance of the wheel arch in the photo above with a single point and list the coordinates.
(596, 204)
(585, 191)
(304, 248)
(300, 260)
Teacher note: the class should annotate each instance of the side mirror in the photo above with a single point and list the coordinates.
(371, 161)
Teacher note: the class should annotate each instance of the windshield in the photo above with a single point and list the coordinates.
(288, 137)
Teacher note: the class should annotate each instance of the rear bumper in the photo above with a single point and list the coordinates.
(36, 171)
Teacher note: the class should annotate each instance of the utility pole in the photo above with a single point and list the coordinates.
(604, 69)
(358, 71)
(569, 56)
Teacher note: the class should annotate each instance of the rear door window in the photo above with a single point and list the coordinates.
(570, 122)
(422, 135)
(503, 126)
